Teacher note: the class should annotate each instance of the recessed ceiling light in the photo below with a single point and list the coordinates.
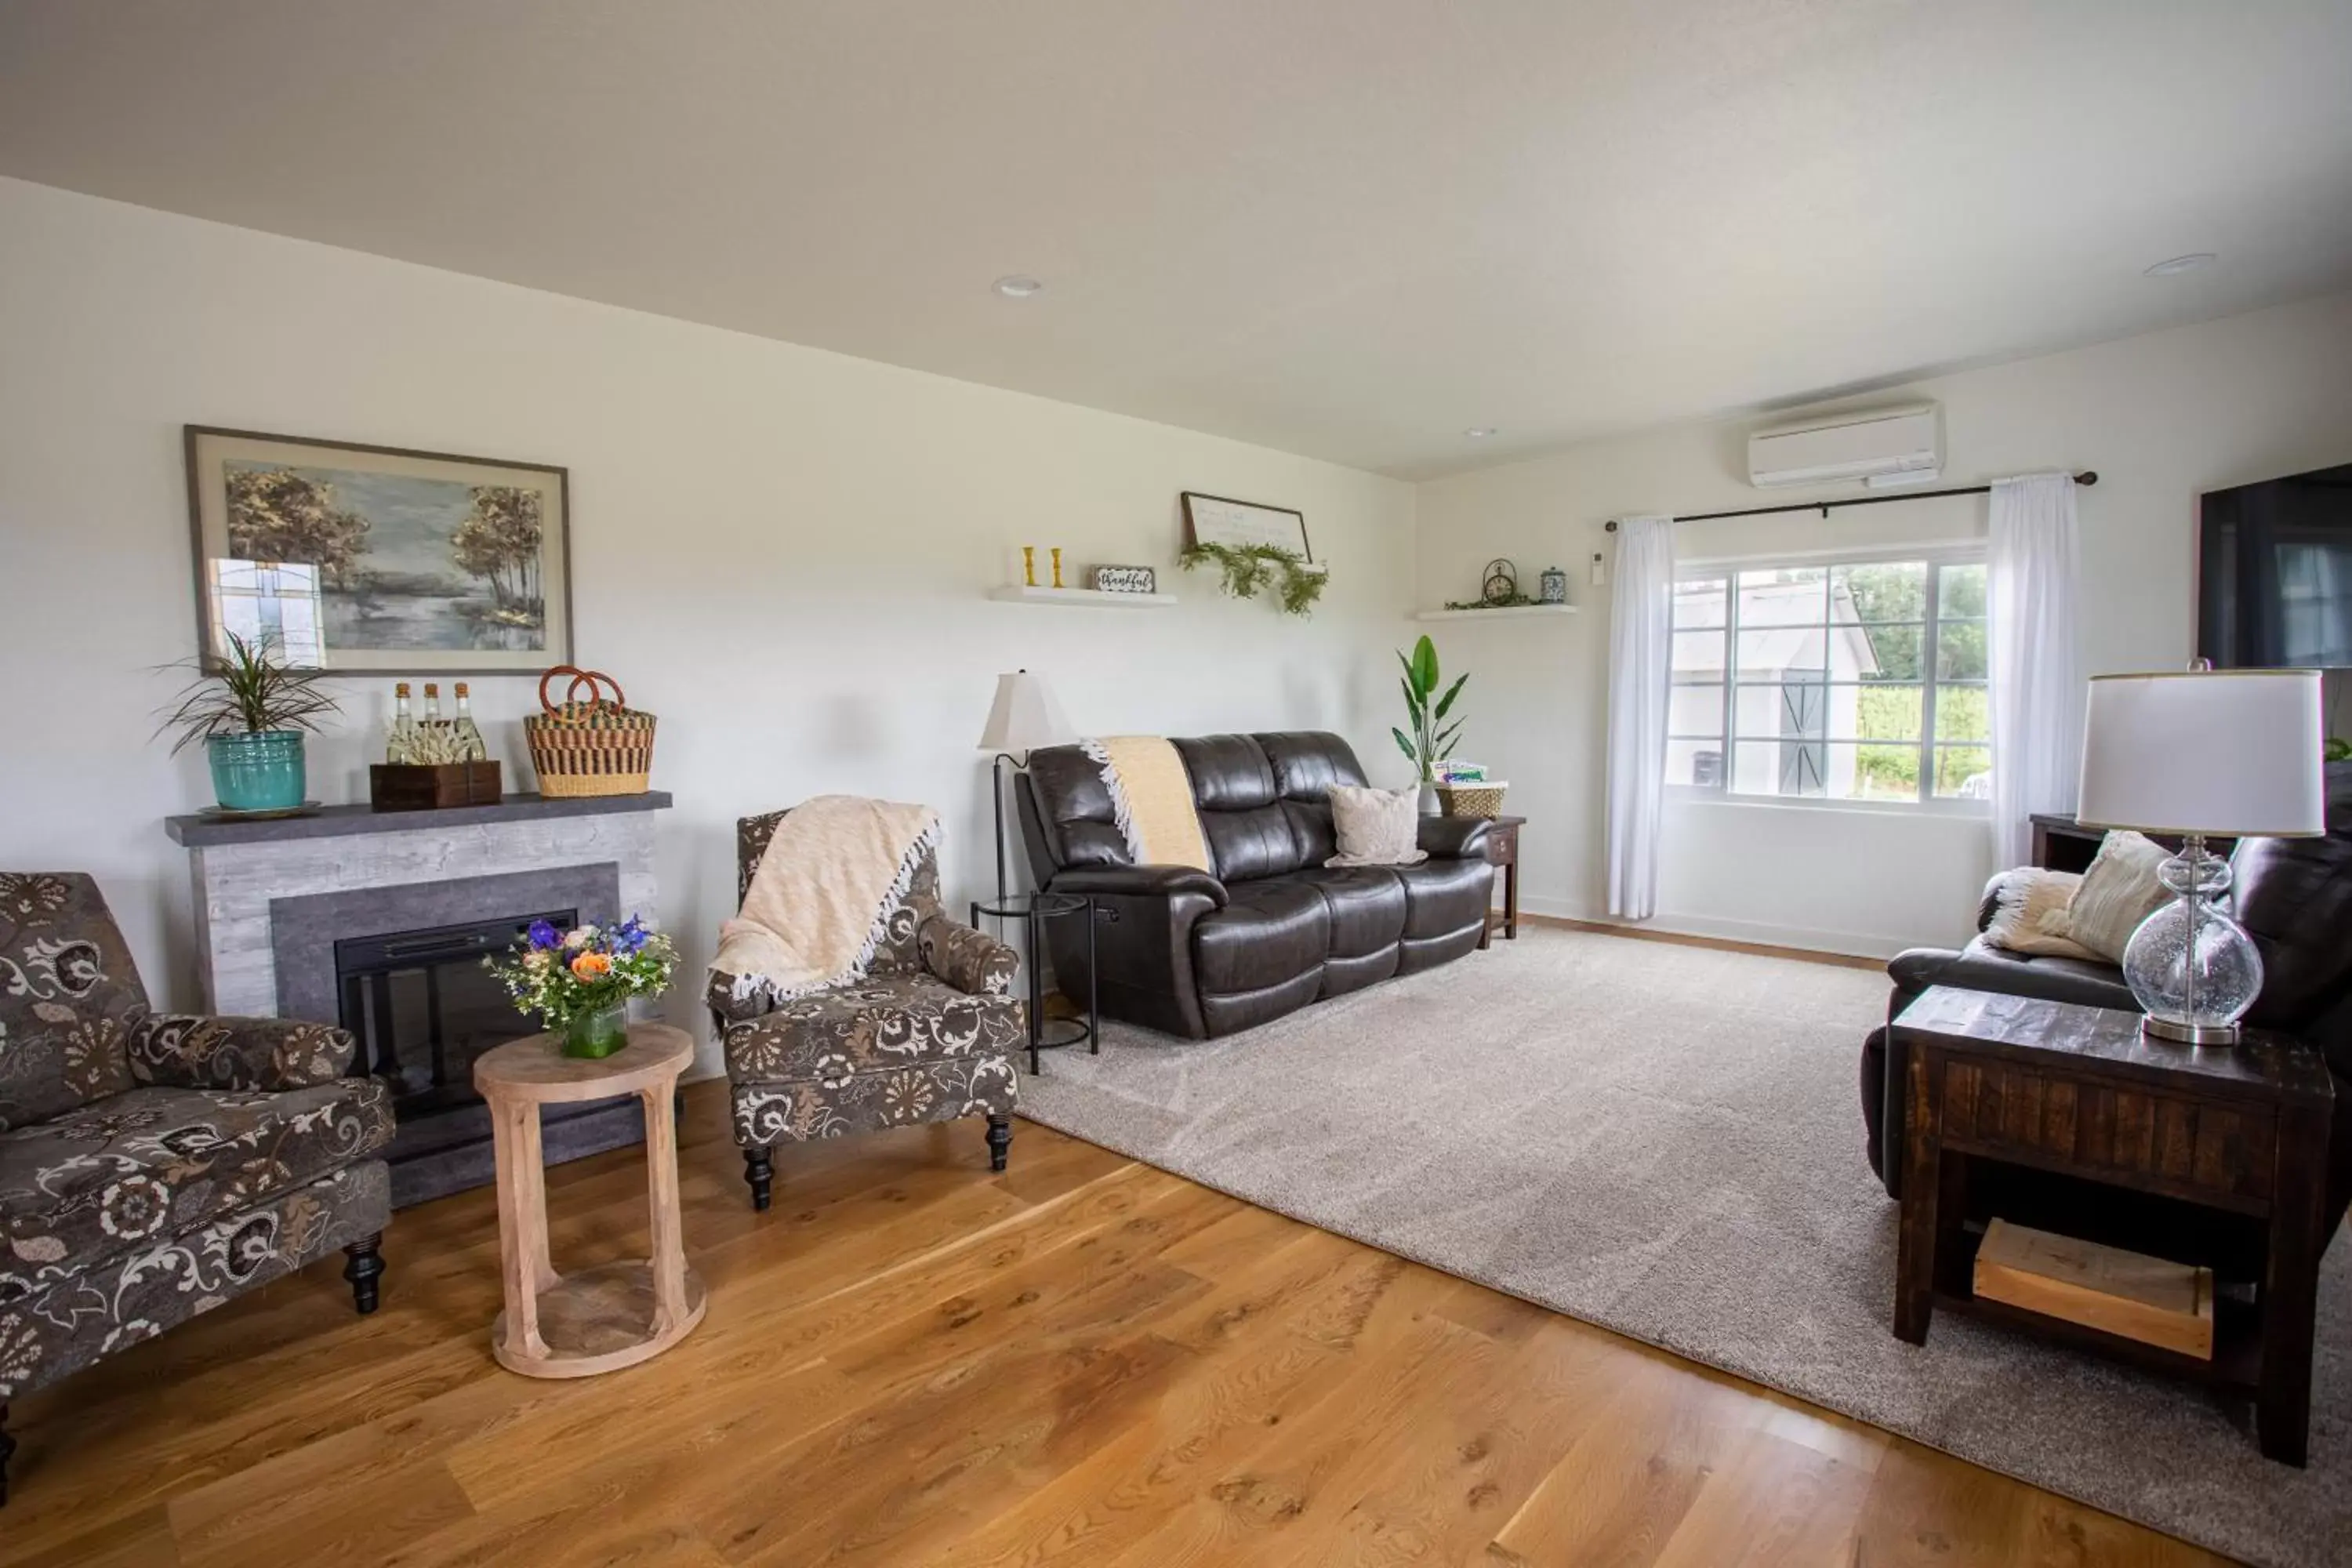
(1016, 287)
(2181, 264)
(1479, 432)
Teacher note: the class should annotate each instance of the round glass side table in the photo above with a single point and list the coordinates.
(1034, 910)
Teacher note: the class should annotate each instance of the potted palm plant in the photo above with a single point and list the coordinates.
(1431, 734)
(250, 711)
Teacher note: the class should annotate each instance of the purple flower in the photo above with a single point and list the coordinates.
(630, 937)
(543, 934)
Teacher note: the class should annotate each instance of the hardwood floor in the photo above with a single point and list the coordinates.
(907, 1361)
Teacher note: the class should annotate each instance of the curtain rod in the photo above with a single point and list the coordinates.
(2087, 476)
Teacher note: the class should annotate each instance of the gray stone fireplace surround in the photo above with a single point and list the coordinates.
(274, 897)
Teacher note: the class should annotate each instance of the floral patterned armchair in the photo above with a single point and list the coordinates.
(926, 1036)
(154, 1165)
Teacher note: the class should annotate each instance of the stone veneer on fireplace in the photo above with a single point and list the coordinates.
(273, 898)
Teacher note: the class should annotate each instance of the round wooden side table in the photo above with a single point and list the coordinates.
(603, 1319)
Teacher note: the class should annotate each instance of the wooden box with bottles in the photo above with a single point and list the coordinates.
(426, 786)
(433, 762)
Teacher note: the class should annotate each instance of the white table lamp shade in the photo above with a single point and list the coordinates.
(1024, 716)
(2233, 753)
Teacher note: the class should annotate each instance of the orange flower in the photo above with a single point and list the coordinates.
(591, 966)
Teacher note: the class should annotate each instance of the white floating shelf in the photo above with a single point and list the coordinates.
(1495, 613)
(1093, 598)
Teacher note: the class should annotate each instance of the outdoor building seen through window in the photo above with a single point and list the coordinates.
(1860, 682)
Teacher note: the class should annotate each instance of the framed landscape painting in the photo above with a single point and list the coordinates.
(373, 558)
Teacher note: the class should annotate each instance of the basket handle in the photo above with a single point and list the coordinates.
(596, 678)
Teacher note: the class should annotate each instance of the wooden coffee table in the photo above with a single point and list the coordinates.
(603, 1319)
(2076, 1091)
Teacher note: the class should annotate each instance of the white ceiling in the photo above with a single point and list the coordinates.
(1344, 227)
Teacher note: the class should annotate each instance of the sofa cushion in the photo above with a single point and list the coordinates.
(1367, 905)
(1274, 932)
(68, 997)
(1444, 896)
(139, 1168)
(1307, 763)
(885, 1021)
(1230, 773)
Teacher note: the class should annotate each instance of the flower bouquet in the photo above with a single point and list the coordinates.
(580, 981)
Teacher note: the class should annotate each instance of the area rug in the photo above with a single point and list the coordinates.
(1666, 1141)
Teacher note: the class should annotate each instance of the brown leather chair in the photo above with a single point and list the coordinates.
(2294, 899)
(1271, 928)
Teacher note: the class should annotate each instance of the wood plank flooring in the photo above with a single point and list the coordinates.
(1084, 1361)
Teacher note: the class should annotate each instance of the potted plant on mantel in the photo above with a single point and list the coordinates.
(250, 712)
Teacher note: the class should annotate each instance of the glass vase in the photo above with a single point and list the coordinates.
(597, 1034)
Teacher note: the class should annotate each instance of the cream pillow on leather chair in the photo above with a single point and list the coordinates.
(1376, 827)
(2118, 891)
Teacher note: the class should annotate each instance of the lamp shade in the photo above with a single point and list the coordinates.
(2232, 753)
(1024, 716)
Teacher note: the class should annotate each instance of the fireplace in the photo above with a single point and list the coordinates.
(422, 1007)
(354, 917)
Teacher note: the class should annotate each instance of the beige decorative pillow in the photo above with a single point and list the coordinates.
(2030, 910)
(1376, 827)
(2118, 891)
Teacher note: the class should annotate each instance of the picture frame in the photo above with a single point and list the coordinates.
(362, 559)
(1220, 520)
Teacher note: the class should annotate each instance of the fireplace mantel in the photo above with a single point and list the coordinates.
(338, 821)
(274, 898)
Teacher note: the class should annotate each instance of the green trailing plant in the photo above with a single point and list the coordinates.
(1247, 568)
(248, 691)
(1431, 735)
(2340, 750)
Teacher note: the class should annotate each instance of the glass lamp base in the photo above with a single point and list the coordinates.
(2192, 969)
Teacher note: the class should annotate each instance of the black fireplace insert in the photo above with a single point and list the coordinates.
(423, 1008)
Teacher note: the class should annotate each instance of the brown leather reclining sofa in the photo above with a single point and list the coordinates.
(1269, 928)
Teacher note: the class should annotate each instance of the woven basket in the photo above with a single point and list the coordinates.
(592, 747)
(1480, 800)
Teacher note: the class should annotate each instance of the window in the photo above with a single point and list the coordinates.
(1857, 682)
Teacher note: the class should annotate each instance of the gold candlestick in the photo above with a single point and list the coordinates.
(1029, 564)
(1057, 566)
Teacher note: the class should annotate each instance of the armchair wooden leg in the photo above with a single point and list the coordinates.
(364, 1265)
(759, 1171)
(8, 1447)
(1000, 1140)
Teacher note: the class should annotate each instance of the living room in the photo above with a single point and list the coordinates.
(1338, 1216)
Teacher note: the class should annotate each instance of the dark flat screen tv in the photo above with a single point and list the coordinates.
(2274, 574)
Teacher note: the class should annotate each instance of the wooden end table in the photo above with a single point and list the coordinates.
(1503, 853)
(2077, 1090)
(603, 1319)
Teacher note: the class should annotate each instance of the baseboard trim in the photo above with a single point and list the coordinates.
(1842, 948)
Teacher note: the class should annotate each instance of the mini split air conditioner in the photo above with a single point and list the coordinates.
(1881, 446)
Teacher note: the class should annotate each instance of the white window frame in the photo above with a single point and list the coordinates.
(1936, 557)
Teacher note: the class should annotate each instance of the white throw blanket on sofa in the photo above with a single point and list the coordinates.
(821, 899)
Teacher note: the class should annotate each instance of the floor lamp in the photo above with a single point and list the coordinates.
(1024, 718)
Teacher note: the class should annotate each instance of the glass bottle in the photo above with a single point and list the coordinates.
(432, 702)
(470, 745)
(401, 747)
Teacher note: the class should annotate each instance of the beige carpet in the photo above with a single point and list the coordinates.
(1666, 1141)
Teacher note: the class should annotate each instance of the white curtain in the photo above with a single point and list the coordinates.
(2037, 684)
(1640, 663)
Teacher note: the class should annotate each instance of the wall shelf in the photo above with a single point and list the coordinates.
(1019, 594)
(1494, 614)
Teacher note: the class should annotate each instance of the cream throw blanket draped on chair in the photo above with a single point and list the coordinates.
(1151, 798)
(820, 901)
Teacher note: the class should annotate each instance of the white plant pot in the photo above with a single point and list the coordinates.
(1429, 807)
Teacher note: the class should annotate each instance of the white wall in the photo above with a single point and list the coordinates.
(781, 551)
(2161, 417)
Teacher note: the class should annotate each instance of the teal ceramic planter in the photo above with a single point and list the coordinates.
(260, 772)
